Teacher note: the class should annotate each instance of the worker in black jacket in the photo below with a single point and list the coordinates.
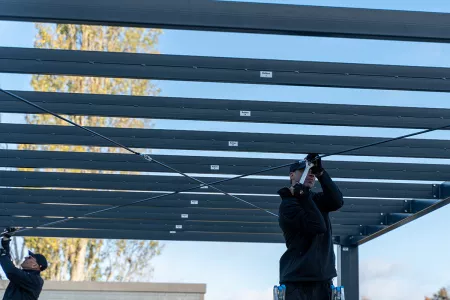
(25, 283)
(307, 268)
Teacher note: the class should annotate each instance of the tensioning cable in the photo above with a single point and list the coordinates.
(211, 184)
(145, 156)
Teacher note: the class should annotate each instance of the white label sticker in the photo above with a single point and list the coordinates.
(172, 232)
(215, 167)
(178, 226)
(184, 216)
(194, 202)
(233, 144)
(246, 113)
(266, 74)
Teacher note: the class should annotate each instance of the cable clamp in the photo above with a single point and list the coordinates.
(147, 157)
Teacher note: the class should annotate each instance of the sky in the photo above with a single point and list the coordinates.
(406, 264)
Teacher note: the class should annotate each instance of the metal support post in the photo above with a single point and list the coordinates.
(348, 271)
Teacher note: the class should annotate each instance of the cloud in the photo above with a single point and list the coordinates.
(377, 268)
(381, 280)
(388, 288)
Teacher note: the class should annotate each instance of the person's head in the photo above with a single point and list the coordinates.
(296, 172)
(35, 262)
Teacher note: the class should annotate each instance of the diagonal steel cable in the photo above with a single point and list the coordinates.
(145, 156)
(211, 184)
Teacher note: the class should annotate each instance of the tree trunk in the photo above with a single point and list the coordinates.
(77, 273)
(65, 264)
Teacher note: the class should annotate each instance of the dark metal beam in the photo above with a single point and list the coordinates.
(404, 221)
(162, 225)
(351, 205)
(219, 69)
(158, 213)
(146, 225)
(237, 17)
(184, 200)
(156, 235)
(418, 205)
(214, 165)
(443, 190)
(166, 183)
(348, 269)
(396, 217)
(222, 141)
(228, 110)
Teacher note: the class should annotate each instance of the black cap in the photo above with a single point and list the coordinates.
(297, 166)
(40, 259)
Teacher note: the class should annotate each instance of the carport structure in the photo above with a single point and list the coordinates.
(371, 208)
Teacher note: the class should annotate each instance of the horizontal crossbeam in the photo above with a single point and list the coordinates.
(219, 69)
(171, 183)
(176, 214)
(237, 17)
(215, 165)
(222, 141)
(228, 110)
(192, 200)
(156, 235)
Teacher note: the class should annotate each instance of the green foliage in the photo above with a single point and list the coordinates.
(83, 259)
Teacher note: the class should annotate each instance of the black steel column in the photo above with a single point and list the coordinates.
(348, 271)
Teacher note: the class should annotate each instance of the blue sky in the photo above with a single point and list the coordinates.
(405, 264)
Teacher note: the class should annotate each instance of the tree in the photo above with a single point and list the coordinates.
(92, 259)
(441, 295)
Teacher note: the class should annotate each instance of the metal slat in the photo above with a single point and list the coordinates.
(165, 183)
(238, 17)
(361, 205)
(156, 225)
(145, 226)
(165, 226)
(201, 103)
(230, 70)
(184, 200)
(205, 140)
(141, 214)
(228, 110)
(119, 216)
(156, 235)
(123, 195)
(215, 165)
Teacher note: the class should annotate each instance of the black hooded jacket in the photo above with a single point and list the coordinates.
(23, 284)
(306, 226)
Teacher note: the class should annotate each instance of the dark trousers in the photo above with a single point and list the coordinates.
(309, 290)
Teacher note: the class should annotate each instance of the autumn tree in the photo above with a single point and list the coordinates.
(91, 259)
(441, 295)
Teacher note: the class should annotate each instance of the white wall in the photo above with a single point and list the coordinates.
(54, 290)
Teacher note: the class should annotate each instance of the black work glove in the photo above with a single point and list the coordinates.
(9, 231)
(6, 238)
(317, 170)
(299, 190)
